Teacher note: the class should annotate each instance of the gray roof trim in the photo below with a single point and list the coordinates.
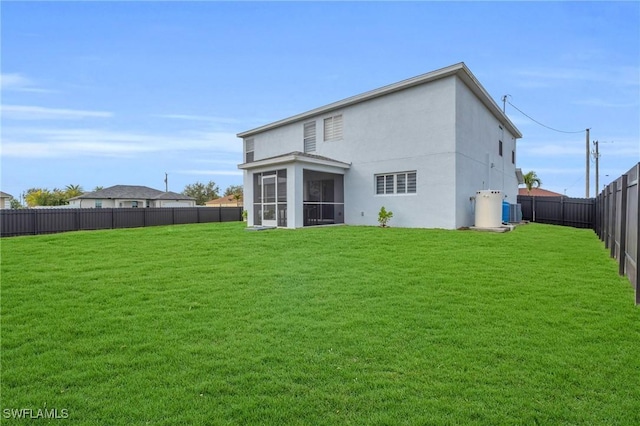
(459, 70)
(292, 157)
(5, 195)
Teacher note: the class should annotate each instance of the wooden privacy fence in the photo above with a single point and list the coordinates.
(49, 221)
(618, 223)
(576, 212)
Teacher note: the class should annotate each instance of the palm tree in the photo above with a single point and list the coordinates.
(531, 179)
(73, 191)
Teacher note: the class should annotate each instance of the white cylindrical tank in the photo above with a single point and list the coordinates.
(488, 208)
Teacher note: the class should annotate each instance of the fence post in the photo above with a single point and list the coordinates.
(607, 213)
(623, 225)
(562, 211)
(637, 219)
(35, 222)
(533, 208)
(597, 216)
(614, 217)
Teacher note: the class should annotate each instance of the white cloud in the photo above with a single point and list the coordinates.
(20, 83)
(211, 172)
(75, 143)
(547, 77)
(206, 118)
(620, 148)
(605, 103)
(10, 81)
(552, 149)
(27, 112)
(67, 149)
(232, 162)
(558, 170)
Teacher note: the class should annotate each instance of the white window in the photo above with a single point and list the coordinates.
(333, 128)
(310, 136)
(249, 146)
(396, 183)
(98, 204)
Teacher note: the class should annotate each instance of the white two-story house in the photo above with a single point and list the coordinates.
(421, 148)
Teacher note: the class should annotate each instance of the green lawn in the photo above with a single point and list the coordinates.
(211, 324)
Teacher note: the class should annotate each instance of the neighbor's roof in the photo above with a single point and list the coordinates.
(132, 192)
(459, 70)
(229, 199)
(539, 192)
(5, 195)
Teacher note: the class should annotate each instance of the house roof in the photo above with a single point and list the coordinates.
(229, 199)
(459, 70)
(5, 195)
(539, 192)
(132, 192)
(293, 157)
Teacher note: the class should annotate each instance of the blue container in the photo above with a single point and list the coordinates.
(505, 212)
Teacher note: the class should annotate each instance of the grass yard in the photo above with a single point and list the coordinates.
(209, 324)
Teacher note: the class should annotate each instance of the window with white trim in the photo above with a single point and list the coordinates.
(396, 183)
(249, 146)
(333, 128)
(310, 136)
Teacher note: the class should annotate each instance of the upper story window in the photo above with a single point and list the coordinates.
(310, 136)
(500, 148)
(333, 128)
(513, 157)
(249, 146)
(396, 183)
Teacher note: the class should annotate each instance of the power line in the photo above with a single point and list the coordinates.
(537, 122)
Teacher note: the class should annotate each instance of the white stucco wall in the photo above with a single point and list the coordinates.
(91, 203)
(441, 130)
(175, 203)
(478, 164)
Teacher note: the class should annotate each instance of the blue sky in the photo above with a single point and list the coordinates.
(107, 93)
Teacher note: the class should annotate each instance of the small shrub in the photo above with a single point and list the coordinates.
(384, 216)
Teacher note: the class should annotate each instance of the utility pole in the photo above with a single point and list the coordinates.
(166, 182)
(588, 155)
(504, 103)
(596, 154)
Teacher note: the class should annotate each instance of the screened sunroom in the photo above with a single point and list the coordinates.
(295, 190)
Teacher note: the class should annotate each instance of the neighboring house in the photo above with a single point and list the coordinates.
(539, 192)
(5, 200)
(228, 201)
(131, 196)
(421, 148)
